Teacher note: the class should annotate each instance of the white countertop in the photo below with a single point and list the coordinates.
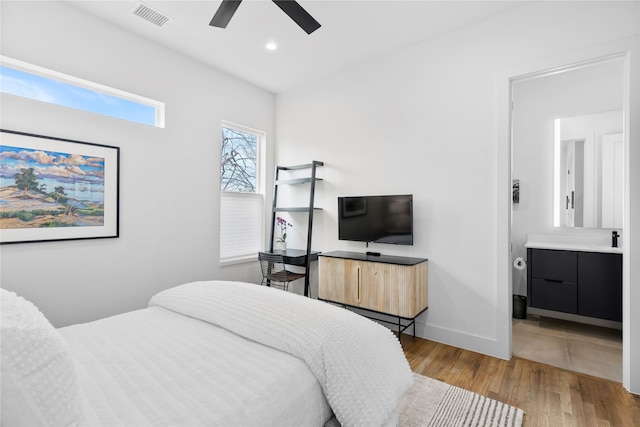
(572, 246)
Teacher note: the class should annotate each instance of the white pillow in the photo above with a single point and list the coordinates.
(38, 377)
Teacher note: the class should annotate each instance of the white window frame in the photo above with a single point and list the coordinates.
(259, 194)
(26, 67)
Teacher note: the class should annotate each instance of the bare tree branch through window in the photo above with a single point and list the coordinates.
(238, 161)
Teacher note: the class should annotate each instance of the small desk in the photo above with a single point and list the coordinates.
(294, 256)
(297, 257)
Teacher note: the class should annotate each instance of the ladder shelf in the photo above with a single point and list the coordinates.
(310, 209)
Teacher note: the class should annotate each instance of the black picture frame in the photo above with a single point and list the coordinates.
(54, 189)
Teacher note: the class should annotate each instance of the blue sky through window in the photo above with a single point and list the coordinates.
(28, 85)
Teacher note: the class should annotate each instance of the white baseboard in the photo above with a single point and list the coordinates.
(455, 338)
(471, 342)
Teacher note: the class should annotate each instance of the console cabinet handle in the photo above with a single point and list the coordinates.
(359, 294)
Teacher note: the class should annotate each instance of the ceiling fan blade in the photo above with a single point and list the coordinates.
(225, 13)
(298, 14)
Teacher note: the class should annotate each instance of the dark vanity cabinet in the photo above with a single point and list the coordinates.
(600, 285)
(583, 283)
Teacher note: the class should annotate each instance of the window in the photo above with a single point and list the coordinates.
(33, 82)
(238, 162)
(241, 194)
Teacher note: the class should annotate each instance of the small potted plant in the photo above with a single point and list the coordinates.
(282, 240)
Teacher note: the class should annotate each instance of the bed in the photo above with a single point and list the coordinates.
(211, 353)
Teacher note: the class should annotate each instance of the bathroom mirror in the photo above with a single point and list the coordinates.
(588, 170)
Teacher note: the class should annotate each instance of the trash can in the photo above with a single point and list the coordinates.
(519, 307)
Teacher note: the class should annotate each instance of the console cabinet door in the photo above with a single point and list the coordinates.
(376, 291)
(412, 289)
(338, 280)
(600, 285)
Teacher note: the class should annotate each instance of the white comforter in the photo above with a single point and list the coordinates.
(155, 367)
(359, 364)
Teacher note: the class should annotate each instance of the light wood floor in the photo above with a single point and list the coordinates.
(549, 396)
(591, 350)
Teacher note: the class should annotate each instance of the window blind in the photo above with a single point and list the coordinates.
(241, 225)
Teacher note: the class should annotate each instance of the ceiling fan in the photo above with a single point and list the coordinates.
(290, 7)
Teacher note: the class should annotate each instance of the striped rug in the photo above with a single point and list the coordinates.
(432, 403)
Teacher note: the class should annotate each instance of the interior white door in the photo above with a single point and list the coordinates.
(612, 180)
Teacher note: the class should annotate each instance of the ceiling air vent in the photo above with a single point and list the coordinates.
(149, 14)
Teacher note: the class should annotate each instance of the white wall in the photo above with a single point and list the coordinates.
(169, 209)
(536, 103)
(425, 120)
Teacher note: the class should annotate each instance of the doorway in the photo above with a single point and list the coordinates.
(576, 93)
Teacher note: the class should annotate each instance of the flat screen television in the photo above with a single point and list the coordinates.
(376, 219)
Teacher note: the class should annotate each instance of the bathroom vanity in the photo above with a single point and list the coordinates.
(577, 279)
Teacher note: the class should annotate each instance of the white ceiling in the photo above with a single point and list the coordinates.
(352, 32)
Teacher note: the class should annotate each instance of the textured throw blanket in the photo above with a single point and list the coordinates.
(359, 364)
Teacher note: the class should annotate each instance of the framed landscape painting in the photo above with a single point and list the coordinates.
(57, 189)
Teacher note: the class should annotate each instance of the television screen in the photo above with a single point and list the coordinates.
(377, 219)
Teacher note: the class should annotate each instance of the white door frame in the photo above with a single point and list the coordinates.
(627, 50)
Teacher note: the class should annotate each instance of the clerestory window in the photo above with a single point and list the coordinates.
(40, 84)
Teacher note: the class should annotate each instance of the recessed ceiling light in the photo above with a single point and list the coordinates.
(271, 46)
